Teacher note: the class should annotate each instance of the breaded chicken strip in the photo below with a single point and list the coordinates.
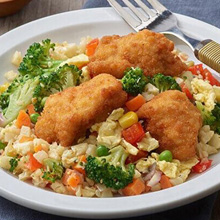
(150, 51)
(68, 114)
(174, 121)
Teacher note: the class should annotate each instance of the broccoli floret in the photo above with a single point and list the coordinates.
(110, 170)
(13, 163)
(207, 117)
(39, 76)
(164, 83)
(53, 170)
(134, 81)
(38, 60)
(19, 99)
(64, 77)
(210, 118)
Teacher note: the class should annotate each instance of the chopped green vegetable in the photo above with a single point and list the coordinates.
(64, 77)
(164, 83)
(2, 145)
(14, 163)
(34, 117)
(210, 118)
(102, 151)
(38, 61)
(53, 170)
(110, 170)
(207, 117)
(134, 81)
(166, 155)
(39, 76)
(16, 98)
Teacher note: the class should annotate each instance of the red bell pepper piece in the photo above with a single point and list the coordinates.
(186, 91)
(197, 69)
(134, 133)
(208, 76)
(202, 166)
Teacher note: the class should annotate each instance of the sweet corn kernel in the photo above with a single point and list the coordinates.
(128, 119)
(3, 87)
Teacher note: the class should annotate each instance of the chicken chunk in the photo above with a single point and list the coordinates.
(148, 50)
(174, 121)
(68, 114)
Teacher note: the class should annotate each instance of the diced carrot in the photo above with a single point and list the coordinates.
(25, 139)
(135, 103)
(165, 182)
(38, 148)
(33, 164)
(82, 158)
(66, 176)
(30, 109)
(80, 170)
(91, 47)
(72, 178)
(134, 188)
(23, 119)
(147, 188)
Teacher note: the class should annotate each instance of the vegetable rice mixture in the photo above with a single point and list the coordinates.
(117, 115)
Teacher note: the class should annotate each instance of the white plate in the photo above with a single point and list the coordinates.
(71, 26)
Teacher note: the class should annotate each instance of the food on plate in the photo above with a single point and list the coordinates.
(39, 76)
(68, 114)
(68, 124)
(148, 50)
(174, 121)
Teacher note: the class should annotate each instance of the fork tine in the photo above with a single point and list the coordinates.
(135, 10)
(145, 8)
(157, 6)
(124, 14)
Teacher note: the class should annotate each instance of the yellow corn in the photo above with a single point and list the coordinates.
(3, 87)
(128, 119)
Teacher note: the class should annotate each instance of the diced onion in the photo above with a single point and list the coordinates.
(155, 179)
(151, 172)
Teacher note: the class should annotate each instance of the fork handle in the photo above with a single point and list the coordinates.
(208, 52)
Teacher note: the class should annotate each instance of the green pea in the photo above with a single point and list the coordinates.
(2, 145)
(34, 117)
(166, 155)
(102, 151)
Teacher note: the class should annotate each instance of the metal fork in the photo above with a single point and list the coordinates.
(162, 20)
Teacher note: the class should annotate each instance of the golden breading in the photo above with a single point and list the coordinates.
(148, 50)
(174, 121)
(68, 114)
